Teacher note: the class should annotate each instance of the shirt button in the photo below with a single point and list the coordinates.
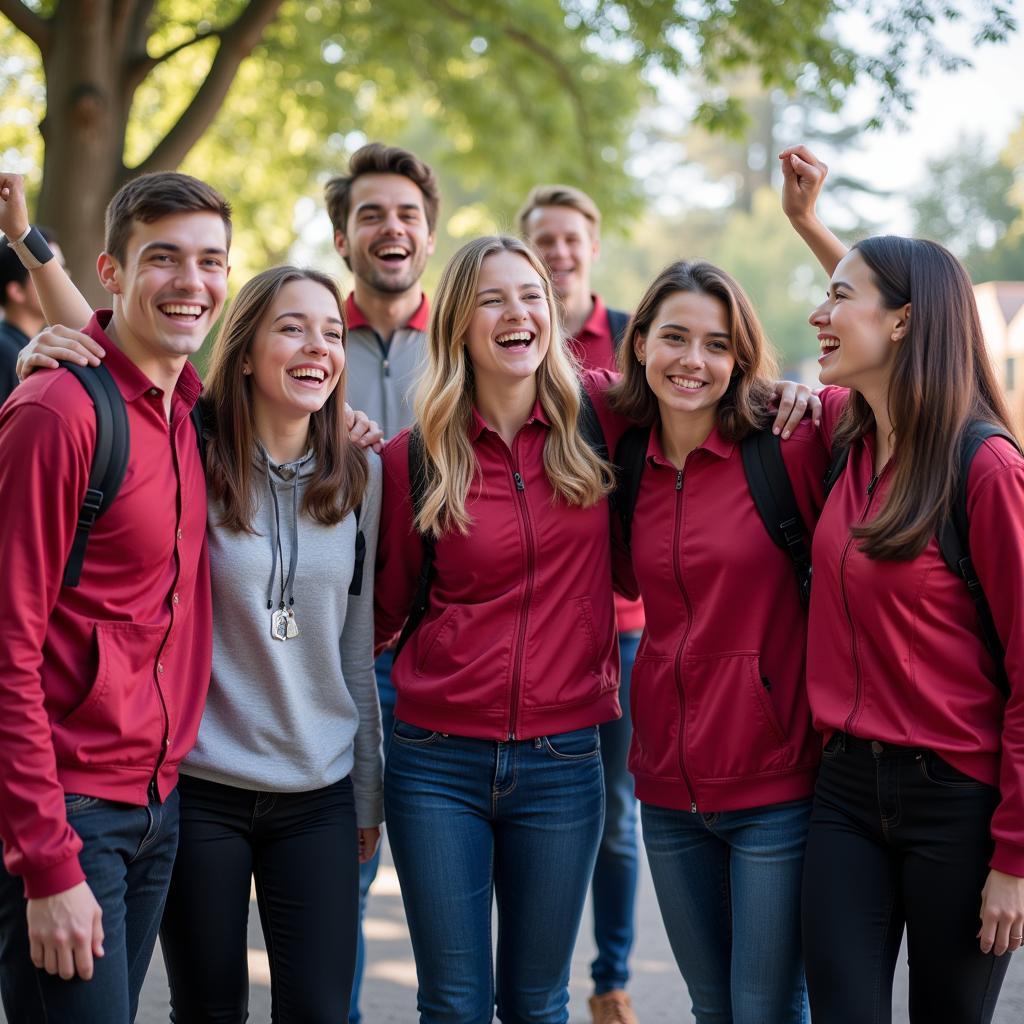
(175, 599)
(178, 535)
(153, 393)
(160, 668)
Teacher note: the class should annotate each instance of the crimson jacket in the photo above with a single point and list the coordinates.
(719, 707)
(101, 685)
(519, 638)
(894, 651)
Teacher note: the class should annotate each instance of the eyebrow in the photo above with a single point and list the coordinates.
(686, 330)
(520, 287)
(304, 316)
(833, 285)
(376, 207)
(171, 247)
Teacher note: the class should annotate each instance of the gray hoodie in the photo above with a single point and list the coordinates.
(295, 715)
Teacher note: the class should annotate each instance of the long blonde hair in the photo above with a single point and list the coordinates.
(444, 400)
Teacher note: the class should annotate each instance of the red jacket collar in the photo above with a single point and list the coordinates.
(354, 315)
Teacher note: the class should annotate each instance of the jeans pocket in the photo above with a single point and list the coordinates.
(574, 745)
(833, 748)
(939, 771)
(412, 735)
(74, 802)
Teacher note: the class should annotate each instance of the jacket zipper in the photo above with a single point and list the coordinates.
(527, 597)
(857, 688)
(682, 642)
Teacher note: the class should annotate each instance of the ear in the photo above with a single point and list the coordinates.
(595, 248)
(15, 294)
(246, 367)
(341, 244)
(431, 242)
(109, 271)
(902, 325)
(639, 347)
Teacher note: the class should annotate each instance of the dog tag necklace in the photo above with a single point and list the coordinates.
(283, 625)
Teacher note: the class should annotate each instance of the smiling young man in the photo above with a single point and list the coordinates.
(384, 213)
(102, 684)
(564, 225)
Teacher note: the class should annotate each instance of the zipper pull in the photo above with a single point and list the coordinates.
(387, 368)
(872, 485)
(693, 806)
(520, 486)
(679, 479)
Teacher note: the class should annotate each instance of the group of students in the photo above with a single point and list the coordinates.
(867, 750)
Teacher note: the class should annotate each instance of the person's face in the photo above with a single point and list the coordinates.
(688, 353)
(297, 355)
(386, 238)
(856, 332)
(171, 287)
(563, 237)
(510, 331)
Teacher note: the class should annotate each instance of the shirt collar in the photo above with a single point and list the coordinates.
(130, 380)
(354, 317)
(478, 425)
(714, 443)
(596, 326)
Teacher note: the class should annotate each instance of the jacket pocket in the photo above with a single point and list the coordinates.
(654, 707)
(434, 634)
(120, 719)
(732, 727)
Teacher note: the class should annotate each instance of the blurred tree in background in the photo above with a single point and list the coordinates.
(265, 98)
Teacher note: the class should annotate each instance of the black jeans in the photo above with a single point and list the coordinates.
(302, 850)
(898, 837)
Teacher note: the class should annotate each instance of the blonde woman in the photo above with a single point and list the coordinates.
(493, 784)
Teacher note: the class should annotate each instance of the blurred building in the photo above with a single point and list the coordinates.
(1001, 307)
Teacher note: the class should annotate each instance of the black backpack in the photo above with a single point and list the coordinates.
(591, 432)
(767, 479)
(110, 461)
(953, 535)
(618, 321)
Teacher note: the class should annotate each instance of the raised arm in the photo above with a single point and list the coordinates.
(803, 175)
(60, 300)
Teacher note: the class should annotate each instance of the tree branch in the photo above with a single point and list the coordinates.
(142, 65)
(28, 22)
(237, 41)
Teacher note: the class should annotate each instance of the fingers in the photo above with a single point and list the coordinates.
(82, 950)
(13, 211)
(97, 933)
(814, 409)
(793, 400)
(350, 416)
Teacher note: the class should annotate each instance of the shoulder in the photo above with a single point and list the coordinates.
(53, 397)
(597, 383)
(805, 445)
(395, 459)
(996, 457)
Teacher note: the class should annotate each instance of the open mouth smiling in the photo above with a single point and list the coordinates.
(392, 253)
(515, 339)
(687, 383)
(184, 312)
(308, 374)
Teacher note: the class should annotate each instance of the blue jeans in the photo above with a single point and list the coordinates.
(728, 885)
(127, 857)
(470, 820)
(368, 871)
(615, 874)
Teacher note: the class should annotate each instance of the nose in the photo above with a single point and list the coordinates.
(393, 224)
(692, 355)
(316, 343)
(819, 315)
(188, 277)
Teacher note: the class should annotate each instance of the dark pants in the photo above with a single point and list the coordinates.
(127, 856)
(302, 850)
(898, 837)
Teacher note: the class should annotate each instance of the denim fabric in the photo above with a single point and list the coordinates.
(470, 820)
(613, 888)
(368, 871)
(898, 837)
(728, 885)
(301, 850)
(127, 857)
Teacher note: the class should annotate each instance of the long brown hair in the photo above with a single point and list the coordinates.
(444, 402)
(341, 472)
(744, 406)
(941, 379)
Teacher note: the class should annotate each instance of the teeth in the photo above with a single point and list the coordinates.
(306, 371)
(515, 336)
(181, 309)
(829, 343)
(690, 385)
(392, 250)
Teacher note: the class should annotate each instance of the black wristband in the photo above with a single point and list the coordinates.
(31, 249)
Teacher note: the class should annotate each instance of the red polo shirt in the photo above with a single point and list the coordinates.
(101, 685)
(595, 348)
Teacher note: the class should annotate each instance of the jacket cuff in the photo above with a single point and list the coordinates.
(1008, 858)
(49, 881)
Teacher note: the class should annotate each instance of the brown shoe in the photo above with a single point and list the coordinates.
(613, 1007)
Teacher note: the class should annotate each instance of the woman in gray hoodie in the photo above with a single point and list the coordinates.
(284, 784)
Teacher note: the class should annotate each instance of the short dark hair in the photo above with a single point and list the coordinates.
(559, 195)
(376, 158)
(152, 196)
(11, 270)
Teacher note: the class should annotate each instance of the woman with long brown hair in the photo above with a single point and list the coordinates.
(916, 638)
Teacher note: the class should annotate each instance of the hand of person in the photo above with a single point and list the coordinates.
(65, 932)
(13, 208)
(803, 175)
(362, 430)
(53, 343)
(1002, 913)
(795, 401)
(369, 839)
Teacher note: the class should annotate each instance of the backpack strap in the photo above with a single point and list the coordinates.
(109, 458)
(200, 415)
(589, 426)
(839, 457)
(355, 588)
(417, 492)
(630, 456)
(954, 543)
(772, 491)
(618, 321)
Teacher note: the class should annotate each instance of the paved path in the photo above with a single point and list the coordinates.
(389, 993)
